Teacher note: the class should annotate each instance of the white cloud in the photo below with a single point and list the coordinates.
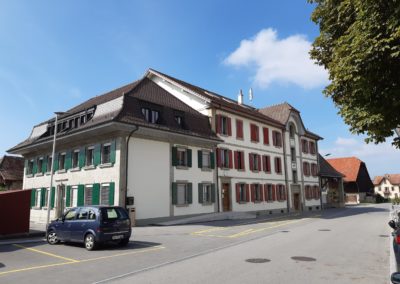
(346, 141)
(278, 60)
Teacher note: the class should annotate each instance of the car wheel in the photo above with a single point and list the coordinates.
(124, 242)
(52, 238)
(90, 243)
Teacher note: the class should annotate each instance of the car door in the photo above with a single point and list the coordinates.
(64, 226)
(79, 226)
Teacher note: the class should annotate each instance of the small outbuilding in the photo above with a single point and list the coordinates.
(14, 212)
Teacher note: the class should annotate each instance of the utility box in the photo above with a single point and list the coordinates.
(132, 216)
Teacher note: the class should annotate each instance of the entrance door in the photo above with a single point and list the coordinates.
(296, 201)
(226, 204)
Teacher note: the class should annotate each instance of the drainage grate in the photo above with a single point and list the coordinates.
(258, 260)
(285, 231)
(324, 230)
(303, 258)
(384, 236)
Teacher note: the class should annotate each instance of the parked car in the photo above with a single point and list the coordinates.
(91, 225)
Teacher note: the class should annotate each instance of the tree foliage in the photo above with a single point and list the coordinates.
(359, 44)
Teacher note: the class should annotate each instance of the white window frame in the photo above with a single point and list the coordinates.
(91, 148)
(103, 146)
(102, 187)
(76, 151)
(207, 187)
(181, 162)
(38, 196)
(206, 159)
(74, 196)
(179, 191)
(87, 186)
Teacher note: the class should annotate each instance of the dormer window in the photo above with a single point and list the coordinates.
(150, 115)
(179, 119)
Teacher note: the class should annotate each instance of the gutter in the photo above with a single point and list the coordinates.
(127, 161)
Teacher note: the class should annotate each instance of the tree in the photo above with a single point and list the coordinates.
(359, 44)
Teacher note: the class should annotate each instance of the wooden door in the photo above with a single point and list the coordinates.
(296, 201)
(226, 204)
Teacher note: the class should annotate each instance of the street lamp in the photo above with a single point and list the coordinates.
(52, 167)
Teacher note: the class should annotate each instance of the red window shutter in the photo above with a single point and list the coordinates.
(264, 160)
(236, 155)
(274, 138)
(253, 193)
(251, 161)
(261, 192)
(219, 158)
(268, 164)
(257, 133)
(265, 192)
(247, 192)
(274, 192)
(218, 122)
(266, 135)
(252, 133)
(238, 192)
(230, 159)
(304, 168)
(241, 157)
(259, 162)
(239, 129)
(229, 126)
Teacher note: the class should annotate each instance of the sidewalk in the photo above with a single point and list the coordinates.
(36, 233)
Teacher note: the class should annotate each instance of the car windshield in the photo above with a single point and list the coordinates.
(112, 214)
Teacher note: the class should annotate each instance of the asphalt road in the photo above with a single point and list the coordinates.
(349, 245)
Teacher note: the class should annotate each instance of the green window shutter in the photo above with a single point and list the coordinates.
(52, 196)
(97, 155)
(42, 197)
(55, 162)
(190, 193)
(200, 193)
(213, 192)
(96, 194)
(113, 153)
(82, 157)
(200, 158)
(174, 156)
(33, 195)
(81, 195)
(26, 166)
(68, 196)
(212, 158)
(111, 194)
(174, 193)
(34, 169)
(68, 160)
(189, 157)
(44, 165)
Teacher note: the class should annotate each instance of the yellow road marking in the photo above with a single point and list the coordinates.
(77, 261)
(209, 230)
(46, 253)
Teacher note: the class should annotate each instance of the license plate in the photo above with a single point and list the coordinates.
(118, 237)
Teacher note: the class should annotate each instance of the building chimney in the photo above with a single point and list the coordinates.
(240, 97)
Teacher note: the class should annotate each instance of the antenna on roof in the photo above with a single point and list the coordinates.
(251, 96)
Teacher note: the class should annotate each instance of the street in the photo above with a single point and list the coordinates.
(349, 245)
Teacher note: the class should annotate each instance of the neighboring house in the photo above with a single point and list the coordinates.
(137, 144)
(301, 163)
(331, 185)
(388, 185)
(11, 172)
(357, 182)
(253, 173)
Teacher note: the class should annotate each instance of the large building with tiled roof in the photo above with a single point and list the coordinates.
(11, 172)
(357, 182)
(388, 185)
(332, 190)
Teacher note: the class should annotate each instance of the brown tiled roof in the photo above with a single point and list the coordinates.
(393, 178)
(326, 170)
(12, 168)
(220, 101)
(349, 167)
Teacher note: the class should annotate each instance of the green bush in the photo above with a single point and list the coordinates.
(380, 199)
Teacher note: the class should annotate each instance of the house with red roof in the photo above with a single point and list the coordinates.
(11, 172)
(388, 185)
(357, 182)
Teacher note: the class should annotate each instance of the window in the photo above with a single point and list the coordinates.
(255, 162)
(280, 192)
(182, 157)
(61, 161)
(312, 147)
(71, 214)
(256, 192)
(306, 168)
(75, 159)
(266, 135)
(83, 214)
(239, 160)
(241, 193)
(106, 153)
(254, 133)
(239, 129)
(206, 159)
(179, 119)
(29, 169)
(90, 156)
(74, 196)
(49, 163)
(293, 154)
(224, 158)
(88, 194)
(294, 176)
(151, 116)
(316, 192)
(277, 138)
(223, 125)
(292, 131)
(38, 198)
(40, 164)
(206, 193)
(304, 146)
(269, 192)
(104, 194)
(278, 165)
(182, 194)
(392, 188)
(46, 197)
(308, 193)
(267, 163)
(314, 170)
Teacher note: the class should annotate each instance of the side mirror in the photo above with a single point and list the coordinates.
(395, 278)
(392, 224)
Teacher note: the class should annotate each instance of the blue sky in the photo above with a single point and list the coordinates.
(56, 54)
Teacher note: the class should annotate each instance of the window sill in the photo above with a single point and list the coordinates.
(75, 169)
(225, 168)
(62, 171)
(182, 167)
(240, 138)
(181, 205)
(29, 176)
(39, 175)
(257, 201)
(207, 203)
(206, 169)
(87, 168)
(254, 141)
(36, 208)
(106, 165)
(242, 202)
(241, 170)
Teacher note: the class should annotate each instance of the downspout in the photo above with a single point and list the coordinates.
(126, 162)
(217, 182)
(286, 170)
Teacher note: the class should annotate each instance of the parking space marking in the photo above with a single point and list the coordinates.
(73, 261)
(47, 253)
